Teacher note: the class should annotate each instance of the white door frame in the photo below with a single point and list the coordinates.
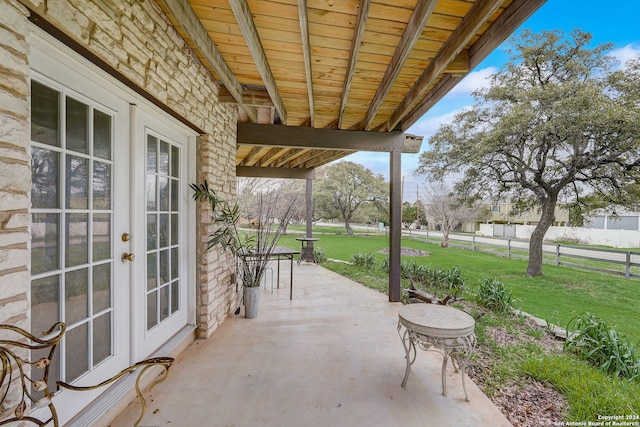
(51, 59)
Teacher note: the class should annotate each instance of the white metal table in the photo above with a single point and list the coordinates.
(441, 328)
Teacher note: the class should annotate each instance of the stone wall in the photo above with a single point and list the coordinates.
(15, 174)
(135, 39)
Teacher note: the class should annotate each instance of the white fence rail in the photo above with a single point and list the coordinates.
(621, 262)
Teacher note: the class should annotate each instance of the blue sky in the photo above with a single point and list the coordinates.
(617, 22)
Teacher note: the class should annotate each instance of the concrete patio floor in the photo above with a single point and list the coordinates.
(330, 357)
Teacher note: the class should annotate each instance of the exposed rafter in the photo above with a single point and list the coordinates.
(412, 33)
(306, 50)
(242, 13)
(191, 25)
(517, 12)
(513, 16)
(477, 16)
(363, 12)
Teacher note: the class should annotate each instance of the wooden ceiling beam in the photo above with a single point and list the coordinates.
(412, 33)
(509, 20)
(243, 15)
(477, 16)
(306, 50)
(269, 172)
(187, 19)
(255, 97)
(323, 139)
(363, 12)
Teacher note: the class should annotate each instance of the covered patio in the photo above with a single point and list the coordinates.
(329, 357)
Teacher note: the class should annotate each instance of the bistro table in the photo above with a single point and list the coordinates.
(306, 251)
(286, 253)
(441, 328)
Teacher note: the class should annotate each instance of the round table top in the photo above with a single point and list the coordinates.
(307, 239)
(435, 320)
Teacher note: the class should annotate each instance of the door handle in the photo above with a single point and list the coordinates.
(127, 257)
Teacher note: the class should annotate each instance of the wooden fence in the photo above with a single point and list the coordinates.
(621, 262)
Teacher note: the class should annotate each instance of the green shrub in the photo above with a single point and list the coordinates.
(493, 295)
(384, 265)
(319, 254)
(363, 260)
(591, 339)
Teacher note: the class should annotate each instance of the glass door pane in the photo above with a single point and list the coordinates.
(162, 226)
(72, 257)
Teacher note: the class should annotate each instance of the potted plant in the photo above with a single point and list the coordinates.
(251, 247)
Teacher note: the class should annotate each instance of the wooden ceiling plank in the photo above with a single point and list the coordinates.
(270, 156)
(292, 154)
(188, 20)
(363, 11)
(414, 29)
(479, 13)
(242, 13)
(249, 157)
(306, 51)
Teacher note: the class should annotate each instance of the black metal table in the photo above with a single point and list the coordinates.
(306, 250)
(286, 253)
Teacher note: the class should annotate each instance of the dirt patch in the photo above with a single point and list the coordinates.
(524, 401)
(406, 252)
(531, 404)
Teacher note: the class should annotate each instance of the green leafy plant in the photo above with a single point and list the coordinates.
(319, 254)
(366, 260)
(593, 340)
(253, 249)
(493, 295)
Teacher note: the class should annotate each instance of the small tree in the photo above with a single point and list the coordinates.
(408, 214)
(345, 188)
(446, 209)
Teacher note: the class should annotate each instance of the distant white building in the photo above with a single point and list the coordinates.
(617, 218)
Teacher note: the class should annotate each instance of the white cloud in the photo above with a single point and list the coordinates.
(474, 81)
(625, 53)
(427, 126)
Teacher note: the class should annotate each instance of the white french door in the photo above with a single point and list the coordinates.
(161, 209)
(112, 219)
(80, 210)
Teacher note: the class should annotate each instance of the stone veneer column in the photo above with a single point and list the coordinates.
(15, 172)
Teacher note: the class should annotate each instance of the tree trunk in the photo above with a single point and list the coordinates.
(347, 226)
(445, 237)
(534, 268)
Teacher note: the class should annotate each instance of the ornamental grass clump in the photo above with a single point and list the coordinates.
(591, 339)
(493, 295)
(363, 260)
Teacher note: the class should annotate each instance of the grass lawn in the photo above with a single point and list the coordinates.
(558, 296)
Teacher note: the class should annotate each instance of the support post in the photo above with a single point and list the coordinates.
(309, 208)
(395, 229)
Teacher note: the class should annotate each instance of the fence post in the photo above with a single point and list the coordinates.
(627, 267)
(508, 248)
(557, 254)
(426, 238)
(473, 245)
